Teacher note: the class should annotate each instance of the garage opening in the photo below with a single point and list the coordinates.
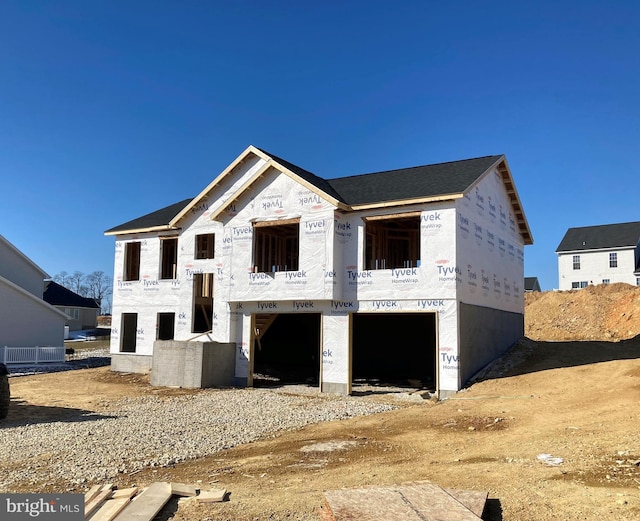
(288, 351)
(395, 348)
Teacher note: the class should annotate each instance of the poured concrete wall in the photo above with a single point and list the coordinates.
(485, 334)
(130, 363)
(193, 364)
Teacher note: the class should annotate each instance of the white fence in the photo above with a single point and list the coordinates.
(31, 355)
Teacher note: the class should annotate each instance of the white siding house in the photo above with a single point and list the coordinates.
(26, 320)
(603, 254)
(411, 275)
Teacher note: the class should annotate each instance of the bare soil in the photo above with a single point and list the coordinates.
(571, 390)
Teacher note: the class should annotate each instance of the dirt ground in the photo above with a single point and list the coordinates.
(571, 392)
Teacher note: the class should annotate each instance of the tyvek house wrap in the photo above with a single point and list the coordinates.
(462, 243)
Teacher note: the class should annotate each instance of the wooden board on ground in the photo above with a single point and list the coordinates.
(212, 496)
(410, 502)
(91, 493)
(125, 492)
(110, 509)
(96, 502)
(180, 489)
(148, 504)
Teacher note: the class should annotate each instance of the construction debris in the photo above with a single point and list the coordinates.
(103, 503)
(410, 502)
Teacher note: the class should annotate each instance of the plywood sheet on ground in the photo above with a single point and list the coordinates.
(411, 502)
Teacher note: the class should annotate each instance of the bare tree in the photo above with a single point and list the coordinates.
(96, 285)
(99, 287)
(76, 283)
(62, 278)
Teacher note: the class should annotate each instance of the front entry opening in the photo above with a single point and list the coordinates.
(288, 351)
(395, 348)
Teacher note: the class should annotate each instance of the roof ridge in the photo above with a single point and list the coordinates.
(416, 167)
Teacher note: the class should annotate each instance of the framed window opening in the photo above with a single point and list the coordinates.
(392, 242)
(132, 261)
(168, 258)
(276, 246)
(613, 260)
(205, 246)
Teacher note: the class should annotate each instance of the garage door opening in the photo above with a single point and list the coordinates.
(289, 351)
(395, 348)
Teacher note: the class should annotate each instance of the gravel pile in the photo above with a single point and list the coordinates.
(150, 431)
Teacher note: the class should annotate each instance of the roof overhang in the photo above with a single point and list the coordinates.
(269, 164)
(502, 167)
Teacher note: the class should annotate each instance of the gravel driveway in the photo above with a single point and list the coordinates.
(133, 433)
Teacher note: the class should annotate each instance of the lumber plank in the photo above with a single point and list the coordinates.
(125, 492)
(110, 509)
(91, 493)
(147, 504)
(96, 502)
(212, 496)
(180, 489)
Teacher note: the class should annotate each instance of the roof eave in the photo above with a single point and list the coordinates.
(516, 205)
(238, 160)
(404, 202)
(272, 163)
(130, 231)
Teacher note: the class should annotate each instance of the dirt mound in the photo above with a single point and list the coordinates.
(606, 312)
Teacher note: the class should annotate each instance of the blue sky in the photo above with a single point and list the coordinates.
(112, 109)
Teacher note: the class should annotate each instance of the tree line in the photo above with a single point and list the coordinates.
(97, 285)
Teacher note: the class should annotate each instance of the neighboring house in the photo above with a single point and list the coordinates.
(82, 312)
(531, 284)
(26, 320)
(602, 254)
(412, 274)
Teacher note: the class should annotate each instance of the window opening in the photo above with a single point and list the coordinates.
(205, 248)
(392, 243)
(166, 326)
(132, 261)
(276, 246)
(202, 302)
(169, 258)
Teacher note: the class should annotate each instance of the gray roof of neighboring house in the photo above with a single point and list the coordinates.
(160, 217)
(601, 237)
(418, 182)
(531, 284)
(58, 295)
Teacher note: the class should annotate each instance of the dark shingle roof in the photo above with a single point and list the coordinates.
(58, 295)
(418, 182)
(412, 183)
(318, 182)
(160, 217)
(602, 236)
